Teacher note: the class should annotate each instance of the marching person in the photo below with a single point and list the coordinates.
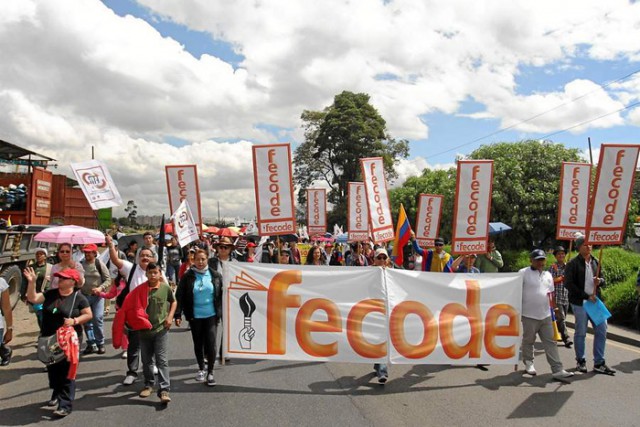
(199, 298)
(65, 262)
(62, 306)
(96, 279)
(537, 285)
(314, 257)
(5, 317)
(43, 271)
(437, 260)
(154, 343)
(582, 281)
(491, 261)
(561, 294)
(465, 264)
(381, 259)
(148, 243)
(134, 275)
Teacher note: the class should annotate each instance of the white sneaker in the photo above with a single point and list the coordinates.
(200, 375)
(529, 368)
(155, 370)
(124, 354)
(129, 379)
(562, 374)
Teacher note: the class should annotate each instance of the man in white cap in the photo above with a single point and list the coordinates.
(537, 285)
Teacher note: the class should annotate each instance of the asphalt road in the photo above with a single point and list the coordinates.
(257, 393)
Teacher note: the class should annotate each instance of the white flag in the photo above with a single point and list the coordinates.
(184, 225)
(96, 183)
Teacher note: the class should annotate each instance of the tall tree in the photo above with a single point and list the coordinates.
(132, 212)
(335, 139)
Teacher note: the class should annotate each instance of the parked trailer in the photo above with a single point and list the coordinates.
(17, 250)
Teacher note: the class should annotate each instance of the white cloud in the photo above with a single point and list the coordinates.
(75, 74)
(407, 168)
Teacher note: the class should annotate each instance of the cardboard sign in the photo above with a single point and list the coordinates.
(428, 219)
(316, 211)
(375, 185)
(575, 187)
(607, 221)
(184, 225)
(182, 184)
(472, 207)
(357, 213)
(273, 179)
(96, 184)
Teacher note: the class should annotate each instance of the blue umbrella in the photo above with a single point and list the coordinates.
(498, 227)
(342, 238)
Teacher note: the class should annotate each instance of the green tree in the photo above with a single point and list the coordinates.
(335, 139)
(132, 212)
(442, 182)
(526, 181)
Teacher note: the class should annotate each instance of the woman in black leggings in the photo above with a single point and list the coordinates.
(199, 297)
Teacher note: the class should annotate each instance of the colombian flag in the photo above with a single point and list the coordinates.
(403, 233)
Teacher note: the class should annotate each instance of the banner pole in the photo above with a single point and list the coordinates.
(569, 253)
(595, 288)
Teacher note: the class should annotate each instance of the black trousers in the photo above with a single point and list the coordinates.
(63, 389)
(203, 332)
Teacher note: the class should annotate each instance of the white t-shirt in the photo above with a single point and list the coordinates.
(536, 285)
(3, 287)
(139, 275)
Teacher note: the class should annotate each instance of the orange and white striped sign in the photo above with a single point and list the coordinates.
(575, 187)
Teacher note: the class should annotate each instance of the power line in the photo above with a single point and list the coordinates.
(501, 130)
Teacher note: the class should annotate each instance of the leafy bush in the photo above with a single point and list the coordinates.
(618, 264)
(621, 300)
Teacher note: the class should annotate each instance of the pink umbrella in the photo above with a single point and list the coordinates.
(70, 234)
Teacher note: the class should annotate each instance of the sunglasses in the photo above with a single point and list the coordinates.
(224, 247)
(439, 244)
(64, 252)
(381, 257)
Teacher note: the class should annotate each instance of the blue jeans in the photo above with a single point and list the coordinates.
(599, 340)
(172, 272)
(94, 328)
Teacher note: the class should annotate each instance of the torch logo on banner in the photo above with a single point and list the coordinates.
(247, 333)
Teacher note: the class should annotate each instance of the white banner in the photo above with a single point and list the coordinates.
(375, 185)
(472, 207)
(357, 213)
(428, 219)
(182, 184)
(575, 187)
(184, 225)
(273, 180)
(612, 195)
(367, 315)
(316, 211)
(96, 183)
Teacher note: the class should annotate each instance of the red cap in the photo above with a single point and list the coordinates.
(91, 247)
(251, 245)
(69, 273)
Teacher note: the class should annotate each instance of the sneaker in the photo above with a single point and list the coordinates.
(562, 374)
(568, 343)
(101, 349)
(200, 376)
(52, 403)
(210, 380)
(382, 379)
(603, 369)
(61, 412)
(529, 368)
(155, 370)
(146, 391)
(91, 348)
(124, 354)
(129, 379)
(581, 366)
(164, 397)
(6, 358)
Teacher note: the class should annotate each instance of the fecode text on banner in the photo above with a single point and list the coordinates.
(316, 211)
(575, 186)
(375, 185)
(428, 219)
(358, 213)
(273, 185)
(182, 184)
(365, 315)
(612, 194)
(472, 206)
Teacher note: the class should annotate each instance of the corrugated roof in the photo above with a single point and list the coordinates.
(10, 151)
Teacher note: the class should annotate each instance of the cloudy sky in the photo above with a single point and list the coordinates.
(155, 82)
